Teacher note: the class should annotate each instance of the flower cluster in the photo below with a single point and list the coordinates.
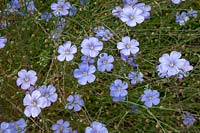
(171, 65)
(184, 16)
(118, 90)
(38, 98)
(132, 13)
(75, 102)
(103, 33)
(13, 127)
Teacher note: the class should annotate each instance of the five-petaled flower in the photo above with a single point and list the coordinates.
(132, 16)
(104, 63)
(75, 102)
(61, 8)
(61, 126)
(33, 103)
(135, 77)
(150, 98)
(91, 46)
(18, 126)
(118, 90)
(49, 92)
(188, 119)
(26, 78)
(85, 73)
(128, 46)
(66, 51)
(96, 127)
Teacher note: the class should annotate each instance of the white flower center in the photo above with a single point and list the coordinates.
(85, 73)
(128, 46)
(26, 79)
(171, 64)
(91, 47)
(150, 97)
(46, 95)
(119, 88)
(67, 52)
(131, 17)
(34, 103)
(104, 62)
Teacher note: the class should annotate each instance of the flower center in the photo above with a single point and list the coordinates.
(119, 88)
(104, 62)
(128, 46)
(67, 52)
(171, 64)
(60, 8)
(17, 127)
(26, 79)
(91, 47)
(131, 17)
(85, 73)
(150, 97)
(46, 95)
(34, 103)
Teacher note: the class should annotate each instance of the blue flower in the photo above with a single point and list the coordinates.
(46, 16)
(3, 42)
(26, 78)
(33, 103)
(182, 18)
(85, 73)
(117, 11)
(132, 16)
(128, 46)
(102, 32)
(18, 126)
(104, 63)
(84, 2)
(49, 92)
(96, 127)
(72, 11)
(66, 51)
(61, 126)
(192, 13)
(145, 8)
(13, 6)
(177, 1)
(136, 77)
(4, 127)
(129, 59)
(171, 65)
(185, 69)
(188, 119)
(150, 97)
(61, 8)
(87, 59)
(130, 2)
(75, 102)
(30, 6)
(118, 90)
(91, 46)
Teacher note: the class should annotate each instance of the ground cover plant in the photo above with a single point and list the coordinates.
(99, 66)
